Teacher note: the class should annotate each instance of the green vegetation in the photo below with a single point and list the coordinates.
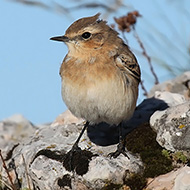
(142, 141)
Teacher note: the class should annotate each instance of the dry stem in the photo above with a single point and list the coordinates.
(7, 171)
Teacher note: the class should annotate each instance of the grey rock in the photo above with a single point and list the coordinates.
(182, 180)
(180, 85)
(173, 127)
(159, 102)
(175, 180)
(39, 161)
(171, 99)
(14, 130)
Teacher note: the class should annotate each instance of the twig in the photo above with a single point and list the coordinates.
(28, 181)
(146, 55)
(5, 184)
(7, 171)
(143, 88)
(124, 37)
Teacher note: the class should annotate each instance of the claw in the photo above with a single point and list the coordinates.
(75, 150)
(120, 146)
(120, 150)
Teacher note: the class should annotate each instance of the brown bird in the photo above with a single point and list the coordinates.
(100, 75)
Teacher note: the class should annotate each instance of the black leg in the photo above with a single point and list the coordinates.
(75, 150)
(120, 146)
(75, 146)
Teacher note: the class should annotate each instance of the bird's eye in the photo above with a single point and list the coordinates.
(86, 35)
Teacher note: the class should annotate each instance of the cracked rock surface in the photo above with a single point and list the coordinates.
(44, 155)
(173, 126)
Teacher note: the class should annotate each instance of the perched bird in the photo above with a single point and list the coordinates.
(100, 75)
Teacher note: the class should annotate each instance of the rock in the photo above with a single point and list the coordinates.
(175, 180)
(160, 102)
(14, 130)
(42, 160)
(173, 127)
(182, 180)
(171, 99)
(180, 85)
(144, 111)
(66, 118)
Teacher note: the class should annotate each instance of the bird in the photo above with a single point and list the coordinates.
(100, 76)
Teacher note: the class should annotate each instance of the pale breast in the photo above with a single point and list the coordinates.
(98, 92)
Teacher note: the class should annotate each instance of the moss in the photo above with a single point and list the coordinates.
(136, 181)
(111, 186)
(133, 181)
(166, 153)
(180, 157)
(142, 141)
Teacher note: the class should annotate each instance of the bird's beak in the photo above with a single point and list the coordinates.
(60, 38)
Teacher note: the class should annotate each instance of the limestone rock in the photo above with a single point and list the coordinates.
(171, 99)
(180, 85)
(42, 160)
(160, 102)
(173, 127)
(175, 180)
(14, 130)
(66, 118)
(182, 180)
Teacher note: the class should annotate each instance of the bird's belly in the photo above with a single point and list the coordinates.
(100, 101)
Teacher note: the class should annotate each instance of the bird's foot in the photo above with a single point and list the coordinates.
(75, 148)
(120, 150)
(77, 160)
(68, 162)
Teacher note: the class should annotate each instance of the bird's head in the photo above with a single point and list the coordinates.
(88, 34)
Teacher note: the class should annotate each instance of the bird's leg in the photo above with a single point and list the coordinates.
(120, 146)
(75, 146)
(74, 150)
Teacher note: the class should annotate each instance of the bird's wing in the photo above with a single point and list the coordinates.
(127, 62)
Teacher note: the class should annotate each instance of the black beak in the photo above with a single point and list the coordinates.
(60, 38)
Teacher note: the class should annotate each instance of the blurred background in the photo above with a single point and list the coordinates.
(29, 62)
